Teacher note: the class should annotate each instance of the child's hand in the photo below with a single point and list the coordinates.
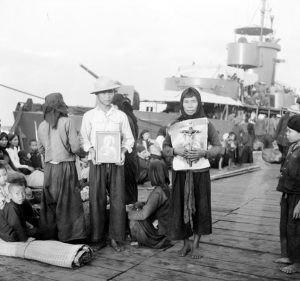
(29, 225)
(296, 214)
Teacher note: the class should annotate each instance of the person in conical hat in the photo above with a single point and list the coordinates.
(106, 178)
(61, 215)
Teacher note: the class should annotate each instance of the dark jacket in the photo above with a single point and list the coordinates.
(289, 181)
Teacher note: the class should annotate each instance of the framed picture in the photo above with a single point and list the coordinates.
(108, 147)
(192, 134)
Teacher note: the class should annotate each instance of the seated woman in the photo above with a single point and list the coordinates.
(12, 150)
(4, 156)
(142, 216)
(143, 162)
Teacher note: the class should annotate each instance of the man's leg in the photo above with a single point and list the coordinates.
(97, 197)
(117, 217)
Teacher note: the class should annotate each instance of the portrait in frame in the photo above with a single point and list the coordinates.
(108, 147)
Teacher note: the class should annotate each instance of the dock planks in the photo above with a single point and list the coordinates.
(243, 246)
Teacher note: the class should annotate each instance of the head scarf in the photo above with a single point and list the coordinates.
(294, 123)
(159, 175)
(54, 108)
(124, 105)
(187, 93)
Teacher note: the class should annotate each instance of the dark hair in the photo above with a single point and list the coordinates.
(11, 137)
(162, 131)
(2, 167)
(3, 135)
(233, 134)
(32, 140)
(18, 180)
(142, 133)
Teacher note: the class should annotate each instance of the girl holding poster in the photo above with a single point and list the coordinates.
(190, 205)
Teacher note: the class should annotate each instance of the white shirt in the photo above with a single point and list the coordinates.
(114, 121)
(14, 157)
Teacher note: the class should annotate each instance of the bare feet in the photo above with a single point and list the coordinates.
(283, 260)
(293, 268)
(195, 252)
(185, 249)
(116, 246)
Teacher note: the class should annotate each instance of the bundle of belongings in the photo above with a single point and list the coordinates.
(51, 252)
(272, 155)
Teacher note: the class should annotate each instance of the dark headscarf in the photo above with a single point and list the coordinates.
(124, 105)
(54, 108)
(294, 123)
(159, 175)
(188, 93)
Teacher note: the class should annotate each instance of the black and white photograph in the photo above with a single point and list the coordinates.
(149, 140)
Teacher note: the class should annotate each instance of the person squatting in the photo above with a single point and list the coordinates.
(180, 211)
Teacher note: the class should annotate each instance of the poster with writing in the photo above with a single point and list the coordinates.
(192, 134)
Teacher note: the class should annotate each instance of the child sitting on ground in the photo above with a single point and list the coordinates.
(17, 219)
(35, 156)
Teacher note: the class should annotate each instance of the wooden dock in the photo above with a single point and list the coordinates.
(243, 246)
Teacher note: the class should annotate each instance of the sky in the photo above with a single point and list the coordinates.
(138, 42)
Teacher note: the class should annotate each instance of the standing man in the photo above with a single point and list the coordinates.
(106, 179)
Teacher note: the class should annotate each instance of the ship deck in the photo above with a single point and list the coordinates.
(243, 246)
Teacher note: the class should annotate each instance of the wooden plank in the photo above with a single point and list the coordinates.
(11, 274)
(44, 270)
(250, 219)
(232, 265)
(257, 213)
(112, 263)
(247, 227)
(128, 276)
(166, 274)
(192, 266)
(236, 233)
(243, 243)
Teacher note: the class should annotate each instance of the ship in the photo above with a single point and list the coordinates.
(246, 83)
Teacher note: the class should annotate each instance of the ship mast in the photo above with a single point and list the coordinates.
(262, 19)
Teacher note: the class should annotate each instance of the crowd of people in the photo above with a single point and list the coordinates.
(176, 209)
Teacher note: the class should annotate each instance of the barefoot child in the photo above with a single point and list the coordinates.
(289, 185)
(190, 204)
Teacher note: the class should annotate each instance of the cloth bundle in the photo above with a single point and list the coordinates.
(271, 155)
(50, 252)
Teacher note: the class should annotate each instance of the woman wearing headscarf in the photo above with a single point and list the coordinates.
(143, 215)
(4, 156)
(131, 159)
(190, 204)
(61, 215)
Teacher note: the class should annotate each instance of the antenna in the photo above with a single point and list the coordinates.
(262, 19)
(19, 91)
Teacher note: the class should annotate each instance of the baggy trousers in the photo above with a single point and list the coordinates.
(107, 179)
